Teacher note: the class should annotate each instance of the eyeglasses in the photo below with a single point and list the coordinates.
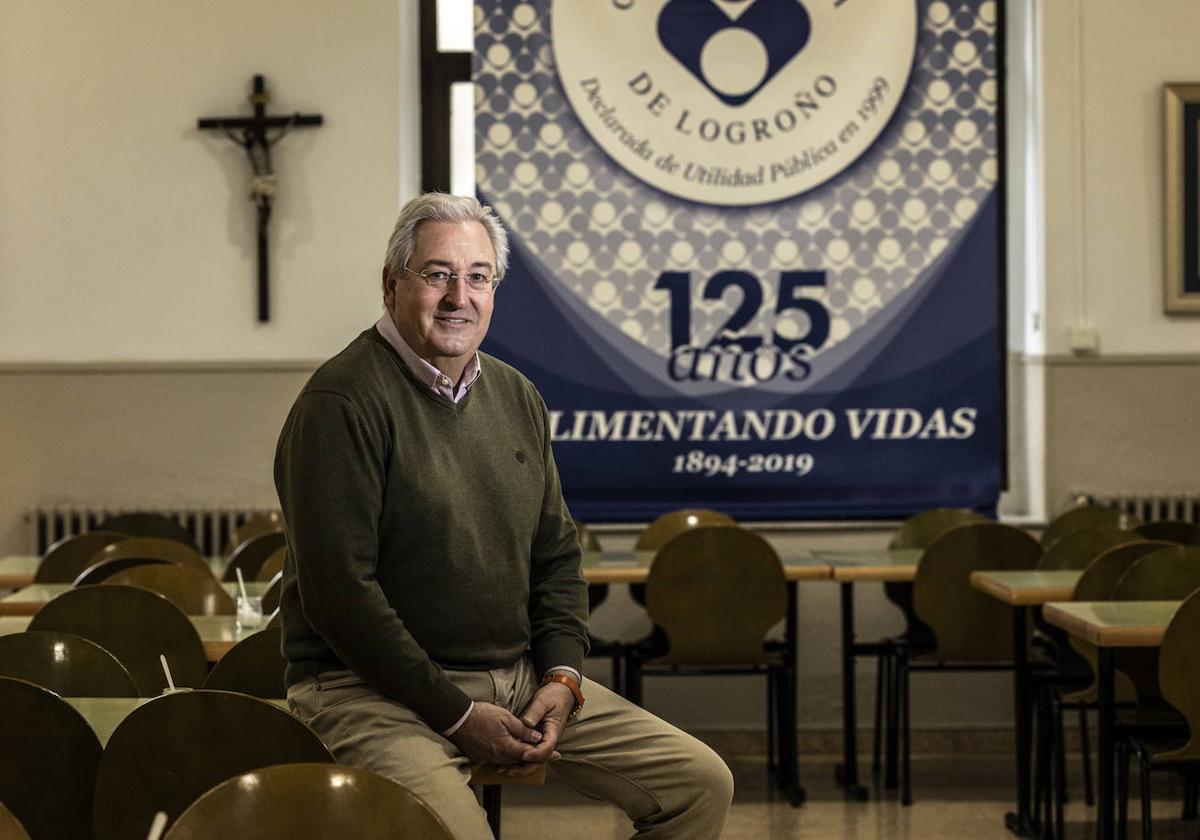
(477, 281)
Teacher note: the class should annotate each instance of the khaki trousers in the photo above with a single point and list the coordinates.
(669, 784)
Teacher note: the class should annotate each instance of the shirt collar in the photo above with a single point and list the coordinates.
(423, 370)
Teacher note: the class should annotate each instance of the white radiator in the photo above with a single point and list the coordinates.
(1151, 507)
(211, 527)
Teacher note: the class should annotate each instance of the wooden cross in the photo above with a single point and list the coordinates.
(251, 134)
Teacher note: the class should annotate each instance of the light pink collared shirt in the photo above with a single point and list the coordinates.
(440, 383)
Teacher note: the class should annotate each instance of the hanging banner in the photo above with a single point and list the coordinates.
(756, 248)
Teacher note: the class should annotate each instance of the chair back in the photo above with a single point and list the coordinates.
(10, 826)
(102, 570)
(148, 524)
(172, 551)
(255, 524)
(252, 553)
(65, 559)
(716, 591)
(194, 592)
(50, 756)
(1086, 518)
(968, 625)
(309, 800)
(1179, 673)
(1168, 574)
(273, 565)
(1078, 549)
(921, 530)
(253, 666)
(134, 625)
(168, 752)
(1184, 533)
(68, 665)
(1099, 579)
(270, 596)
(662, 529)
(588, 541)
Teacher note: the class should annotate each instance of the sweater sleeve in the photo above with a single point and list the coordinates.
(330, 474)
(557, 591)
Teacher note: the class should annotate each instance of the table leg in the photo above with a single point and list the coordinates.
(1104, 809)
(1021, 823)
(846, 773)
(789, 758)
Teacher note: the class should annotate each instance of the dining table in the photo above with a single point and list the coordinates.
(1110, 626)
(28, 600)
(1024, 590)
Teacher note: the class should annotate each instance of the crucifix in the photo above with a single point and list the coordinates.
(253, 135)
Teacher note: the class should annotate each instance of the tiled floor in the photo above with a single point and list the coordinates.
(956, 797)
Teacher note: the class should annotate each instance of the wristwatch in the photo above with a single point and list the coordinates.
(569, 682)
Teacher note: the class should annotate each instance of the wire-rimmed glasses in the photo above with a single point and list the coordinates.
(477, 281)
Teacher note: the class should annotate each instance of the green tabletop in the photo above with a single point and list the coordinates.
(1027, 588)
(634, 566)
(17, 570)
(218, 633)
(30, 599)
(1114, 623)
(850, 566)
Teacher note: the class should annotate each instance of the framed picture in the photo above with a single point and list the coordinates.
(1182, 184)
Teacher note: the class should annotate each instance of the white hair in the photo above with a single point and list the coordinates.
(442, 207)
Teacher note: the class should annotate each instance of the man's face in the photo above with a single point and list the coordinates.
(443, 326)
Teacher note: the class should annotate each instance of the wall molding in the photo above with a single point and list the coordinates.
(111, 367)
(1124, 360)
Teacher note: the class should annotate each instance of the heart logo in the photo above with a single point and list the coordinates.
(734, 53)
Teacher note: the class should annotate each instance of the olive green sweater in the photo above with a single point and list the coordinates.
(423, 533)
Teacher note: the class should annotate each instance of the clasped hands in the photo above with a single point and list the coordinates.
(518, 745)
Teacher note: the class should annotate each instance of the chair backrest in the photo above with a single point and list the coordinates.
(251, 554)
(1184, 533)
(68, 665)
(194, 592)
(273, 565)
(1086, 518)
(662, 529)
(50, 756)
(970, 626)
(102, 570)
(255, 524)
(168, 752)
(1078, 549)
(172, 551)
(134, 625)
(253, 666)
(1100, 578)
(1168, 574)
(304, 800)
(65, 559)
(921, 530)
(716, 591)
(10, 826)
(587, 540)
(1179, 671)
(148, 524)
(270, 596)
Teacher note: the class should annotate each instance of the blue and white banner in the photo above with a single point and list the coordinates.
(756, 248)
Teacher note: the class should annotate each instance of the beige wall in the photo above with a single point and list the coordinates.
(126, 233)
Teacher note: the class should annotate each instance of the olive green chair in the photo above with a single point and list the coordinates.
(1184, 533)
(136, 626)
(971, 631)
(102, 570)
(250, 555)
(714, 592)
(10, 826)
(1086, 518)
(50, 757)
(68, 665)
(194, 592)
(67, 558)
(170, 751)
(667, 526)
(273, 565)
(148, 524)
(1179, 685)
(1077, 549)
(287, 801)
(159, 548)
(255, 524)
(253, 666)
(917, 532)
